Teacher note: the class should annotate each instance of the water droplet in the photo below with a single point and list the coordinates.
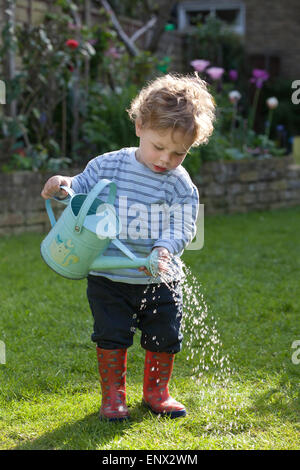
(210, 367)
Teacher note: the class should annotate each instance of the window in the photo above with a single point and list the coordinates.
(194, 17)
(190, 13)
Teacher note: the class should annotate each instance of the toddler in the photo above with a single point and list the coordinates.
(171, 114)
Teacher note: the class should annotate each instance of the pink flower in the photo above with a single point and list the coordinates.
(259, 76)
(233, 75)
(200, 65)
(73, 26)
(260, 73)
(72, 43)
(215, 72)
(112, 52)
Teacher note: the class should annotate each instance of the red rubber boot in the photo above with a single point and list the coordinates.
(157, 373)
(112, 370)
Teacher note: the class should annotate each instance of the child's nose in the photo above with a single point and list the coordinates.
(164, 159)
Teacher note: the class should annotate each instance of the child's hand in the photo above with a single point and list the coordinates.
(52, 187)
(164, 258)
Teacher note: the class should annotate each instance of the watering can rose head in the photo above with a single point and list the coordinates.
(159, 262)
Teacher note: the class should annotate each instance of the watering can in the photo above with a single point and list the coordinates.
(77, 240)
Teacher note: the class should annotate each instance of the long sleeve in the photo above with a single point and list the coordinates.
(139, 192)
(84, 182)
(179, 226)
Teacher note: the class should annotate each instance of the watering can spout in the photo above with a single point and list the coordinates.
(102, 263)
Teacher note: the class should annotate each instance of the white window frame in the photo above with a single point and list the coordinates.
(183, 8)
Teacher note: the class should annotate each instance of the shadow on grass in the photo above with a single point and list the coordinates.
(88, 433)
(282, 401)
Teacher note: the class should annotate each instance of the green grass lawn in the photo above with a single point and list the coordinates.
(249, 277)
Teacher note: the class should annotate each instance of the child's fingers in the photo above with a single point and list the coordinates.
(163, 258)
(47, 193)
(63, 192)
(163, 265)
(143, 268)
(53, 187)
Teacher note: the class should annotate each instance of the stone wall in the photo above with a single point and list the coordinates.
(22, 207)
(224, 187)
(247, 185)
(271, 29)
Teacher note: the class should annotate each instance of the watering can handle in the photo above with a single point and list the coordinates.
(90, 199)
(49, 207)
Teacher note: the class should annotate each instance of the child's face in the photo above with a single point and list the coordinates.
(161, 151)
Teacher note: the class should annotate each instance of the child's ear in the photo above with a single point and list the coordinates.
(138, 128)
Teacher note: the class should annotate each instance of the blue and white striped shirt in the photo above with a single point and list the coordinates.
(159, 209)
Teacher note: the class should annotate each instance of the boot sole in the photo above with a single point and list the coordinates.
(105, 418)
(170, 414)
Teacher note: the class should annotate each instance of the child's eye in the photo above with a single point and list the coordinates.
(158, 148)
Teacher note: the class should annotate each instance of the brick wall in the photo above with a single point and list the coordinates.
(272, 28)
(224, 187)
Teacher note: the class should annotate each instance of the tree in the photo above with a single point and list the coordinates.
(162, 14)
(155, 19)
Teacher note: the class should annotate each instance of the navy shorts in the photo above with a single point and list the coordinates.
(119, 309)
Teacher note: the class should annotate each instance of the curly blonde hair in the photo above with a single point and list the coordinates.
(177, 102)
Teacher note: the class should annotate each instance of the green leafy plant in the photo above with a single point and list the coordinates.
(234, 137)
(41, 89)
(108, 126)
(38, 159)
(72, 88)
(216, 43)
